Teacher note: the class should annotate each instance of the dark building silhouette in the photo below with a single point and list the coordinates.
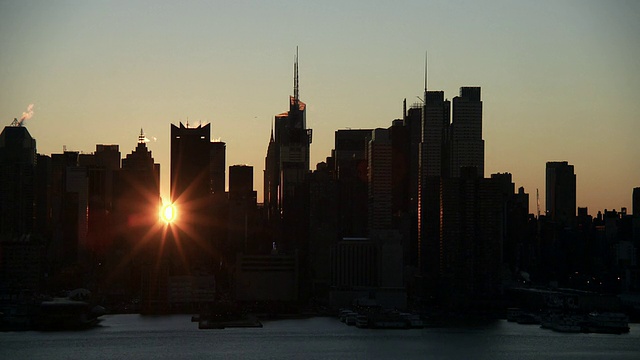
(323, 227)
(218, 165)
(287, 167)
(242, 221)
(433, 166)
(101, 167)
(351, 175)
(240, 180)
(413, 130)
(471, 240)
(561, 193)
(191, 195)
(636, 202)
(17, 182)
(21, 247)
(68, 248)
(467, 145)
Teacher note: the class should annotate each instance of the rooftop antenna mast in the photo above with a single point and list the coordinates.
(296, 89)
(425, 76)
(141, 137)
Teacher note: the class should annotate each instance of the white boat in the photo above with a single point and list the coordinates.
(607, 322)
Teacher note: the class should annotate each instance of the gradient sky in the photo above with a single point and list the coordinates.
(560, 79)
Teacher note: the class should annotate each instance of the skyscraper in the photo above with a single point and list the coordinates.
(191, 194)
(218, 165)
(636, 202)
(561, 193)
(350, 171)
(287, 166)
(379, 158)
(190, 165)
(17, 182)
(467, 145)
(139, 187)
(433, 165)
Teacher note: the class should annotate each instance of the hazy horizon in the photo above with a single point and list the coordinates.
(559, 79)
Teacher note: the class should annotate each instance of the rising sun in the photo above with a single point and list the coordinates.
(168, 213)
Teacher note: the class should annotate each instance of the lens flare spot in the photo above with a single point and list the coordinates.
(168, 213)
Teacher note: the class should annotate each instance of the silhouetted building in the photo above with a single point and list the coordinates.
(467, 145)
(240, 180)
(191, 194)
(242, 212)
(101, 167)
(561, 193)
(69, 215)
(134, 256)
(287, 167)
(409, 227)
(636, 201)
(20, 249)
(17, 182)
(471, 226)
(351, 175)
(218, 165)
(323, 227)
(380, 173)
(434, 165)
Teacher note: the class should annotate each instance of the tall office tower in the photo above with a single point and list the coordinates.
(471, 238)
(242, 211)
(138, 188)
(561, 193)
(190, 193)
(433, 165)
(240, 180)
(413, 128)
(271, 181)
(70, 202)
(134, 252)
(190, 165)
(291, 149)
(323, 226)
(467, 145)
(350, 172)
(17, 182)
(20, 250)
(379, 160)
(101, 167)
(636, 202)
(218, 165)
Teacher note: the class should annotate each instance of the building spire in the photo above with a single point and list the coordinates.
(271, 138)
(296, 89)
(425, 76)
(141, 137)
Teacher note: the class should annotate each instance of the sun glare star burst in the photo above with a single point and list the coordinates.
(168, 213)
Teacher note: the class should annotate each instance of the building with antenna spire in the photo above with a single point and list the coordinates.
(287, 166)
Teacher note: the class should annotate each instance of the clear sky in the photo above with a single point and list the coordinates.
(560, 79)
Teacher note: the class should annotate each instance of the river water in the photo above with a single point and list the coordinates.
(176, 337)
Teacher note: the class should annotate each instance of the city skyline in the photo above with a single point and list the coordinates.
(556, 86)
